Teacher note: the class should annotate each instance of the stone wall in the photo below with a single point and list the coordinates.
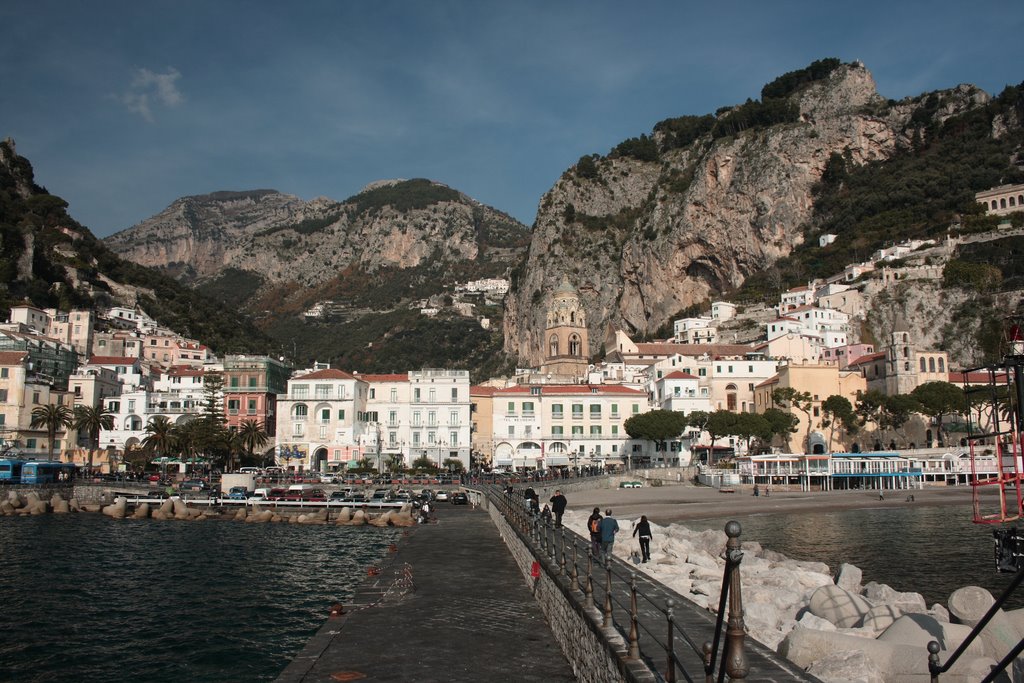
(596, 654)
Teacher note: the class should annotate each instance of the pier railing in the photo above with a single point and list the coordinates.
(637, 610)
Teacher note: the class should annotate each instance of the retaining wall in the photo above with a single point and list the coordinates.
(596, 654)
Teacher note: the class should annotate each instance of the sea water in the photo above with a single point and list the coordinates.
(87, 598)
(932, 550)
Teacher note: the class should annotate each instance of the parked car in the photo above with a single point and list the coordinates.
(441, 496)
(460, 498)
(193, 485)
(631, 485)
(276, 494)
(238, 493)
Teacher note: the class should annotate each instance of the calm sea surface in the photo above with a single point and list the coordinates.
(927, 550)
(85, 598)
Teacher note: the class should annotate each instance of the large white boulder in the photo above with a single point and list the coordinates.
(881, 594)
(848, 666)
(840, 606)
(968, 606)
(849, 577)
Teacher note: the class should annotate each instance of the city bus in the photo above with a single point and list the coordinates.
(36, 472)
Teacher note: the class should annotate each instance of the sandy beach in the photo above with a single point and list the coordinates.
(667, 504)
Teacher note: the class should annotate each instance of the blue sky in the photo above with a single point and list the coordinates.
(122, 107)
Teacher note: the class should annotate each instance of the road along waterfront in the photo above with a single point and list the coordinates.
(93, 599)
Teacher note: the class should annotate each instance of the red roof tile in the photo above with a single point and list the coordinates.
(12, 357)
(329, 373)
(679, 374)
(112, 360)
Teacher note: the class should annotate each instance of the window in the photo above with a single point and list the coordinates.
(942, 365)
(702, 372)
(455, 395)
(923, 366)
(416, 395)
(323, 391)
(394, 395)
(615, 430)
(511, 408)
(251, 407)
(556, 411)
(636, 408)
(453, 439)
(577, 411)
(392, 417)
(234, 382)
(30, 444)
(298, 429)
(373, 392)
(392, 438)
(595, 411)
(615, 410)
(300, 391)
(233, 406)
(416, 419)
(527, 408)
(341, 414)
(453, 417)
(300, 410)
(3, 396)
(432, 395)
(577, 430)
(131, 404)
(252, 381)
(557, 431)
(595, 430)
(511, 431)
(325, 415)
(431, 418)
(415, 439)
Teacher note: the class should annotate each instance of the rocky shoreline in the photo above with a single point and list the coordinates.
(177, 509)
(829, 623)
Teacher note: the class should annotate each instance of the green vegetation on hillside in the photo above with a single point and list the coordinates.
(40, 221)
(916, 194)
(232, 286)
(789, 83)
(408, 195)
(398, 341)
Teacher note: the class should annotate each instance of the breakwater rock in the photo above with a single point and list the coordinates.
(826, 622)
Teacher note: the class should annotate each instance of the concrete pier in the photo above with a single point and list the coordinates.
(449, 605)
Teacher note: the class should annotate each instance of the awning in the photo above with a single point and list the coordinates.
(556, 460)
(503, 462)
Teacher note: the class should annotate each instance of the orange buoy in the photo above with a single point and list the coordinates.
(337, 609)
(373, 571)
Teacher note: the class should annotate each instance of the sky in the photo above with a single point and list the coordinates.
(124, 107)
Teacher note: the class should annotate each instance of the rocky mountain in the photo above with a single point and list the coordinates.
(281, 239)
(690, 211)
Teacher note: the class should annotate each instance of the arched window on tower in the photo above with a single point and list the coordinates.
(931, 365)
(575, 348)
(922, 364)
(572, 317)
(553, 346)
(942, 365)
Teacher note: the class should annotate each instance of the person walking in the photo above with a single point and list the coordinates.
(609, 527)
(558, 504)
(643, 528)
(594, 527)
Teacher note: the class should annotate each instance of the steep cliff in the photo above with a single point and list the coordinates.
(285, 240)
(668, 220)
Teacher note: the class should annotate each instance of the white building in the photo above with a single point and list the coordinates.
(695, 331)
(321, 422)
(564, 425)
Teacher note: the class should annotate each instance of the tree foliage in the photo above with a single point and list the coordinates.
(790, 82)
(658, 426)
(52, 418)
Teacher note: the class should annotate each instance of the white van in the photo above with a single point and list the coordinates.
(249, 470)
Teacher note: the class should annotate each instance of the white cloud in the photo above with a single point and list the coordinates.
(149, 89)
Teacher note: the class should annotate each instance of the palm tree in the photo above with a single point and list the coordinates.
(53, 418)
(160, 436)
(252, 435)
(92, 420)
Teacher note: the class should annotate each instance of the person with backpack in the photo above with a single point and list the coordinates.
(594, 527)
(609, 527)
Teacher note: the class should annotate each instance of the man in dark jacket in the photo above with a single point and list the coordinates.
(558, 503)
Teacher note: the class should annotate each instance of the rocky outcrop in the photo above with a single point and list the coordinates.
(641, 240)
(280, 238)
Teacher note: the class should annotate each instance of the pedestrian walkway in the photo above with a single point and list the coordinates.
(449, 605)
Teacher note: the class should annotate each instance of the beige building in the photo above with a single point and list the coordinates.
(21, 391)
(1001, 200)
(482, 417)
(901, 368)
(820, 381)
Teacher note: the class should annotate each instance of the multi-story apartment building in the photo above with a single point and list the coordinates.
(48, 359)
(681, 392)
(21, 391)
(439, 412)
(388, 436)
(564, 425)
(251, 388)
(321, 421)
(482, 427)
(130, 371)
(820, 382)
(179, 395)
(695, 330)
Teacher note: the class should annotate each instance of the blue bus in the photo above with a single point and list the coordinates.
(10, 471)
(36, 472)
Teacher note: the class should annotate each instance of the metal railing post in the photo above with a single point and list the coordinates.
(561, 564)
(736, 664)
(634, 630)
(670, 645)
(574, 574)
(589, 591)
(607, 621)
(933, 660)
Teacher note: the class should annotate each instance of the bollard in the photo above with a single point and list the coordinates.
(590, 578)
(736, 665)
(634, 630)
(607, 621)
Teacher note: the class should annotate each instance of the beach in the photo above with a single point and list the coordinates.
(667, 504)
